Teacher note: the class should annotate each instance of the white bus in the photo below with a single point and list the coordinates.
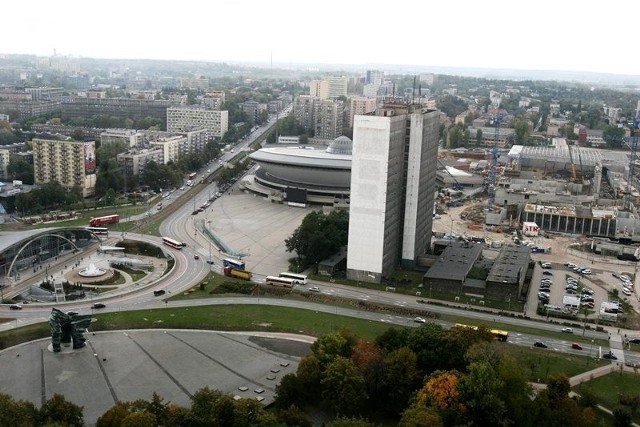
(173, 243)
(279, 281)
(298, 279)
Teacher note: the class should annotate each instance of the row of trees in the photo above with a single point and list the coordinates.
(50, 196)
(431, 376)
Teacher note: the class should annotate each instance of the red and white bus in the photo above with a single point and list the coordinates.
(104, 220)
(173, 243)
(279, 281)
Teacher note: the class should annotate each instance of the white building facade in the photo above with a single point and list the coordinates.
(186, 119)
(392, 187)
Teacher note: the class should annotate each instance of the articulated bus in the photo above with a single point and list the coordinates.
(238, 265)
(298, 279)
(100, 231)
(498, 334)
(279, 281)
(173, 243)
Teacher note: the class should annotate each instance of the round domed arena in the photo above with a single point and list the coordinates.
(304, 173)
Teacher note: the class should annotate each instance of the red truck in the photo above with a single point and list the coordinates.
(238, 274)
(104, 220)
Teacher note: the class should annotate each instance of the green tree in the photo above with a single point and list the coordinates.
(7, 137)
(109, 152)
(78, 135)
(478, 137)
(293, 417)
(479, 390)
(21, 170)
(203, 406)
(343, 387)
(115, 415)
(613, 136)
(521, 128)
(61, 411)
(109, 177)
(400, 378)
(351, 422)
(289, 392)
(139, 419)
(309, 374)
(19, 413)
(319, 236)
(418, 415)
(330, 346)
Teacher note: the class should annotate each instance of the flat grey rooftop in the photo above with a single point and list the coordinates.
(128, 365)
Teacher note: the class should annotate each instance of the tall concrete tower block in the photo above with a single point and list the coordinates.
(392, 189)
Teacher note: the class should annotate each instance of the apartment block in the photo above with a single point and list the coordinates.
(303, 110)
(135, 109)
(135, 161)
(71, 163)
(171, 147)
(329, 87)
(186, 119)
(130, 137)
(328, 119)
(361, 106)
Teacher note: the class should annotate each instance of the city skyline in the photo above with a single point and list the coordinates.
(547, 36)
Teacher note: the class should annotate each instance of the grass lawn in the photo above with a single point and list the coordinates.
(216, 279)
(541, 363)
(240, 318)
(608, 387)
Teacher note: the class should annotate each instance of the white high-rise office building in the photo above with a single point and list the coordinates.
(392, 189)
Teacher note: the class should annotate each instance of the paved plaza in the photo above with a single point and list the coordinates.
(128, 365)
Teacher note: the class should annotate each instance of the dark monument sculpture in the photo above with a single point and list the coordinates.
(66, 327)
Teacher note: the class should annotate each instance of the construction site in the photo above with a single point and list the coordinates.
(565, 189)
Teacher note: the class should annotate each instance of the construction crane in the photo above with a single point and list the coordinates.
(635, 131)
(491, 189)
(573, 165)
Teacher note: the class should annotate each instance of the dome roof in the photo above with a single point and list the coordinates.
(340, 145)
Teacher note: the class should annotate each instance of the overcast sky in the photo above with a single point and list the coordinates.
(539, 35)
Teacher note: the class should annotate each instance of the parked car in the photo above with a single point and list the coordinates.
(196, 256)
(626, 291)
(540, 344)
(547, 273)
(587, 291)
(576, 346)
(586, 271)
(567, 330)
(570, 264)
(546, 265)
(634, 340)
